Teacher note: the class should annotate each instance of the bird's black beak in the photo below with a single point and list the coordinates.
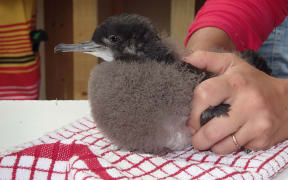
(89, 47)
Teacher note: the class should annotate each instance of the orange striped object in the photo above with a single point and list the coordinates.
(19, 65)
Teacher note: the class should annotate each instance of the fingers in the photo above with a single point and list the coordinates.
(213, 62)
(225, 146)
(216, 87)
(214, 131)
(217, 134)
(264, 135)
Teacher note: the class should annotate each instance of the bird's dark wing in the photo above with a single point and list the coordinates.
(214, 111)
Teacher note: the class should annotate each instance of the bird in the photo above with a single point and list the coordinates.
(141, 95)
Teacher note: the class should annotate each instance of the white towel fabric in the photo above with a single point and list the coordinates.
(79, 151)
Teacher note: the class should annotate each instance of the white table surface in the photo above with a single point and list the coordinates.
(23, 121)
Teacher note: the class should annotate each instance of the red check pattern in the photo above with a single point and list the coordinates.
(79, 151)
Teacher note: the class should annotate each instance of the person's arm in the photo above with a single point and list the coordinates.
(247, 23)
(258, 117)
(210, 38)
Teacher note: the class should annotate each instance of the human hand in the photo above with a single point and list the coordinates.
(258, 117)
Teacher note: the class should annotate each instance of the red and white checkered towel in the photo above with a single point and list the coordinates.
(79, 151)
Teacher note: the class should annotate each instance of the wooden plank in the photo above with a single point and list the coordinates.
(59, 67)
(182, 15)
(85, 20)
(158, 11)
(117, 7)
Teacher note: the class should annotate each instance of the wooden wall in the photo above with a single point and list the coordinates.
(68, 21)
(85, 20)
(59, 67)
(73, 21)
(182, 15)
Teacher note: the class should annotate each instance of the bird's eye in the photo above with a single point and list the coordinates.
(114, 38)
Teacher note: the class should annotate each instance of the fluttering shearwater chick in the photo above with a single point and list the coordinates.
(141, 96)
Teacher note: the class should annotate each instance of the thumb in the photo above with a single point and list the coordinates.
(213, 62)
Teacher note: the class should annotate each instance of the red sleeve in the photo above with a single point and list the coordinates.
(247, 22)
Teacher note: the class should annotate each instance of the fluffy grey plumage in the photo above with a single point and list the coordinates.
(143, 107)
(141, 100)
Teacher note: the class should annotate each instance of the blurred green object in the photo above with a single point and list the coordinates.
(36, 37)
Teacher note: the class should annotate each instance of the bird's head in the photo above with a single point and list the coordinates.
(123, 37)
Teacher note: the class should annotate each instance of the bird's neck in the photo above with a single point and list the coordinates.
(153, 51)
(161, 54)
(156, 51)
